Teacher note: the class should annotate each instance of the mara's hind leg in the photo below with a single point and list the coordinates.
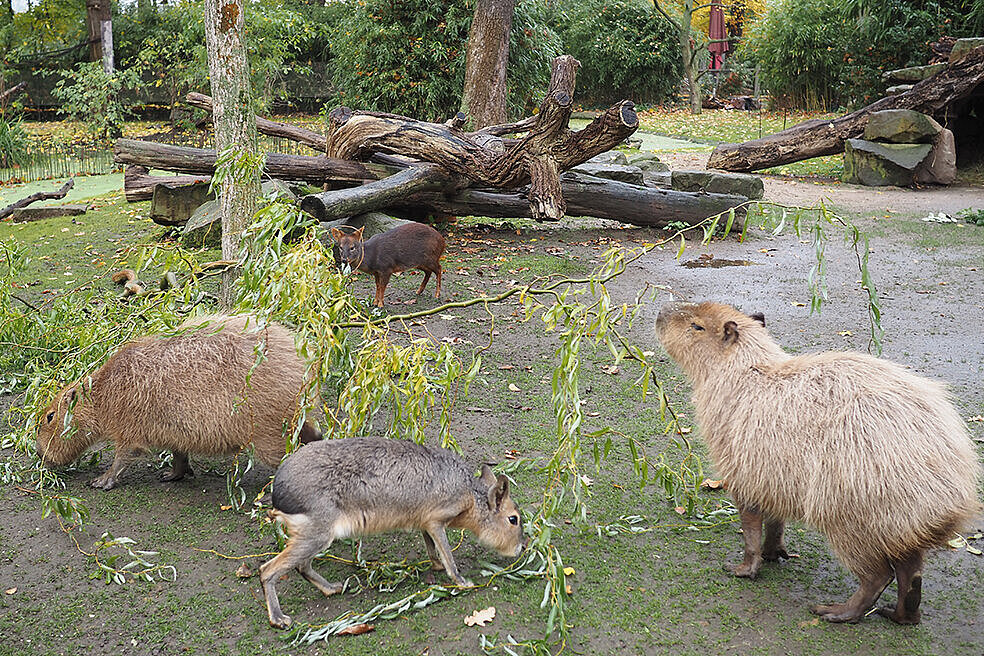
(305, 542)
(773, 547)
(179, 468)
(427, 276)
(872, 585)
(908, 573)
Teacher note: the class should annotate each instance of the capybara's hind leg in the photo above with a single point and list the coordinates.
(751, 529)
(773, 547)
(179, 468)
(908, 573)
(872, 585)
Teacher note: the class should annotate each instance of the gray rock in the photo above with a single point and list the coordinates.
(25, 214)
(913, 73)
(940, 166)
(280, 188)
(882, 164)
(204, 227)
(610, 157)
(963, 46)
(173, 205)
(897, 89)
(620, 172)
(659, 179)
(648, 162)
(901, 126)
(372, 223)
(739, 184)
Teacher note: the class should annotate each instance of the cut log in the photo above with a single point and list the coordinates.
(138, 184)
(266, 126)
(26, 214)
(815, 138)
(332, 205)
(33, 198)
(586, 196)
(284, 167)
(481, 159)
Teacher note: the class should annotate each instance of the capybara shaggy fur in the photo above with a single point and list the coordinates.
(195, 392)
(870, 454)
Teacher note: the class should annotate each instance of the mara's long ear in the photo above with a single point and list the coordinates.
(337, 234)
(730, 332)
(498, 493)
(358, 233)
(758, 316)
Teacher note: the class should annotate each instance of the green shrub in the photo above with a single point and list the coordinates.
(626, 50)
(14, 143)
(91, 95)
(408, 56)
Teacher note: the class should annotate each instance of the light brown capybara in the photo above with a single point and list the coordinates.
(195, 392)
(870, 454)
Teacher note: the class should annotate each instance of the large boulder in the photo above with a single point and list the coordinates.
(901, 126)
(739, 184)
(940, 166)
(620, 172)
(963, 46)
(882, 164)
(648, 162)
(610, 157)
(173, 205)
(204, 227)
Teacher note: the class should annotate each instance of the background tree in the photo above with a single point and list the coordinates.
(683, 26)
(484, 97)
(239, 165)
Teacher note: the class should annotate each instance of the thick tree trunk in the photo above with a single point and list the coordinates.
(816, 138)
(235, 126)
(99, 25)
(336, 172)
(33, 198)
(268, 127)
(484, 97)
(139, 185)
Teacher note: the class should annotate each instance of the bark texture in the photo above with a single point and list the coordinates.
(235, 123)
(484, 97)
(815, 138)
(99, 25)
(138, 184)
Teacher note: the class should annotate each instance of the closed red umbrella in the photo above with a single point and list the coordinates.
(718, 35)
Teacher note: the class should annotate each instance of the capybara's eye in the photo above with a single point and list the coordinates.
(696, 326)
(514, 519)
(51, 415)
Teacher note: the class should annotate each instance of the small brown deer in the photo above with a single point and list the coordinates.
(409, 246)
(351, 487)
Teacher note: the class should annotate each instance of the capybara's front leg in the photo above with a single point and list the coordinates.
(860, 603)
(179, 468)
(773, 547)
(751, 529)
(110, 479)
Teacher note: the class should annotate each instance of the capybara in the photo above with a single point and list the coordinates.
(342, 488)
(195, 392)
(873, 456)
(407, 246)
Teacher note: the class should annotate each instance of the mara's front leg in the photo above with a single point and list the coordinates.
(751, 529)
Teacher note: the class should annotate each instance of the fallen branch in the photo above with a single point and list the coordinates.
(12, 91)
(33, 198)
(266, 126)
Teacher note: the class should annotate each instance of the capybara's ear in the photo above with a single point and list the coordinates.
(358, 233)
(758, 316)
(337, 234)
(730, 332)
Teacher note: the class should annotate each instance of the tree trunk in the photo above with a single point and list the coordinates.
(235, 127)
(99, 25)
(484, 97)
(815, 138)
(687, 52)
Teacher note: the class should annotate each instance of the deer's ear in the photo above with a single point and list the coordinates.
(358, 233)
(337, 234)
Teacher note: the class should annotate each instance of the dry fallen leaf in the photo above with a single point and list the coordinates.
(244, 572)
(680, 510)
(356, 629)
(513, 388)
(711, 484)
(845, 333)
(481, 617)
(224, 507)
(814, 622)
(568, 589)
(799, 304)
(10, 591)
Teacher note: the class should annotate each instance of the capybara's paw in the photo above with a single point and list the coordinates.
(175, 475)
(280, 621)
(105, 482)
(837, 613)
(779, 553)
(744, 570)
(893, 614)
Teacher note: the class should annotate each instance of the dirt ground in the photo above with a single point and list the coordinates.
(657, 593)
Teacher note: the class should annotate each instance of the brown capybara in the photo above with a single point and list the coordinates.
(195, 392)
(873, 456)
(353, 487)
(407, 246)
